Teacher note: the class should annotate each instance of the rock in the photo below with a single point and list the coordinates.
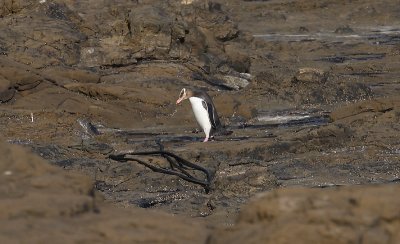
(33, 188)
(18, 76)
(233, 82)
(53, 35)
(344, 30)
(312, 86)
(7, 91)
(246, 76)
(7, 95)
(303, 29)
(121, 64)
(374, 121)
(57, 202)
(155, 32)
(373, 106)
(232, 106)
(227, 32)
(45, 34)
(300, 215)
(238, 58)
(308, 75)
(62, 75)
(14, 7)
(328, 136)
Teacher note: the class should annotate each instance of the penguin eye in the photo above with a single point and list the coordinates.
(182, 93)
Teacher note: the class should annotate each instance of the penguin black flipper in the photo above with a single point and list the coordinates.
(211, 114)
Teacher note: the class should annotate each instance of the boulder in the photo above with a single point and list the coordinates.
(357, 214)
(233, 82)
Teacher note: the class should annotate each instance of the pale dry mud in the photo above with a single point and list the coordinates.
(320, 111)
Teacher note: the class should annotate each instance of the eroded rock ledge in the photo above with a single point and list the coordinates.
(41, 203)
(356, 214)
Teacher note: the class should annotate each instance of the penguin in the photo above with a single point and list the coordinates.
(204, 111)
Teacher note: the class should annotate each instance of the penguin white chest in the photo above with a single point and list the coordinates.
(201, 114)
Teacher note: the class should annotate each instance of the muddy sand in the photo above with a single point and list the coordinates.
(309, 90)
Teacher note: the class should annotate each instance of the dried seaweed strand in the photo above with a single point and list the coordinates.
(174, 160)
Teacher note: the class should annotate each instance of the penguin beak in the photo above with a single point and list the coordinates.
(179, 100)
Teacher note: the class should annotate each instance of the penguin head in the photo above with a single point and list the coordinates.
(185, 94)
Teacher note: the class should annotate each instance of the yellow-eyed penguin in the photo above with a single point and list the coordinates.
(203, 109)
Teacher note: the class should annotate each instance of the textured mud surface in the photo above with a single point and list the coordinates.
(309, 89)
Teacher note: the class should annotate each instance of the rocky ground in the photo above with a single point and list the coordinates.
(309, 89)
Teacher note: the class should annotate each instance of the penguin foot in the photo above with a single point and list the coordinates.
(205, 139)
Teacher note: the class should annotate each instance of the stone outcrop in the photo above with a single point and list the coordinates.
(80, 80)
(69, 41)
(41, 203)
(297, 215)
